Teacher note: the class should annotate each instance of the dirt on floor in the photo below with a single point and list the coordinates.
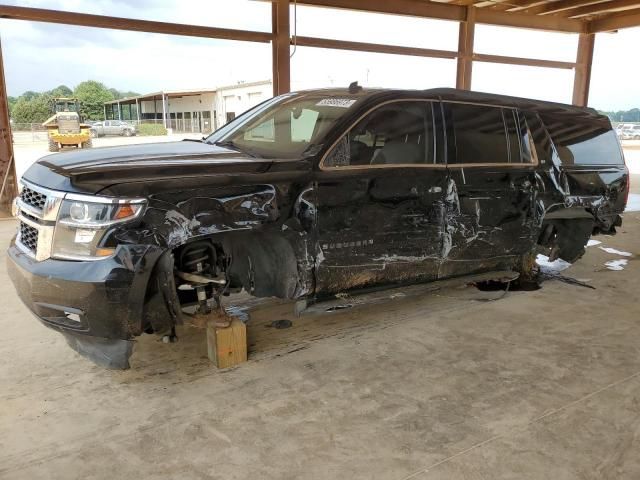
(440, 384)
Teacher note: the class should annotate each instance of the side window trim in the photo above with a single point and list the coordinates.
(446, 128)
(344, 135)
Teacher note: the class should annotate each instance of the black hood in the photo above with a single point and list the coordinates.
(92, 170)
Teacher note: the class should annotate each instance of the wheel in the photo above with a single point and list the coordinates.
(127, 133)
(53, 145)
(94, 133)
(87, 144)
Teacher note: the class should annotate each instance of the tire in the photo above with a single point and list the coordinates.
(127, 133)
(53, 145)
(94, 133)
(87, 144)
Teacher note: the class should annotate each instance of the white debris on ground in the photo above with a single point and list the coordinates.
(633, 203)
(546, 266)
(615, 252)
(593, 243)
(616, 265)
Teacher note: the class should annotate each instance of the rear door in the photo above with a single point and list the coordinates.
(380, 199)
(492, 165)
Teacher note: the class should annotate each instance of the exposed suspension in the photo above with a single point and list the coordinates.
(199, 270)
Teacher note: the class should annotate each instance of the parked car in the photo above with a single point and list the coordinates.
(113, 127)
(622, 128)
(631, 133)
(305, 196)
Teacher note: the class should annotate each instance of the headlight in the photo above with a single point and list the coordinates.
(83, 221)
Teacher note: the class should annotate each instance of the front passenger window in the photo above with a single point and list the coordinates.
(398, 133)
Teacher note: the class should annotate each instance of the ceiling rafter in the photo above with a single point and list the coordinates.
(549, 8)
(615, 21)
(599, 8)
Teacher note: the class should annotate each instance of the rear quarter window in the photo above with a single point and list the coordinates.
(584, 142)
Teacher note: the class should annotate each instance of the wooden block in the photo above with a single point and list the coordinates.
(227, 346)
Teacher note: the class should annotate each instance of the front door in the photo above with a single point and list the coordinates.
(380, 198)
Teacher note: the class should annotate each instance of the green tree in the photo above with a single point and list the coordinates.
(34, 110)
(93, 94)
(12, 102)
(118, 94)
(29, 95)
(61, 91)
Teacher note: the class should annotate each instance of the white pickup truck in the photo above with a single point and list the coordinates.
(113, 127)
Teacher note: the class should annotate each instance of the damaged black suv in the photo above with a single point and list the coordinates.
(306, 195)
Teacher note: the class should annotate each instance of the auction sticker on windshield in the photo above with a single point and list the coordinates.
(336, 102)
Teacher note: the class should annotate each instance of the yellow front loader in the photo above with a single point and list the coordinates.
(65, 127)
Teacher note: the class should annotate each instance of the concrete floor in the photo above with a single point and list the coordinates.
(535, 385)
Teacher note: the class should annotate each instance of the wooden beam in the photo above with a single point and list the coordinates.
(445, 11)
(466, 37)
(119, 23)
(615, 21)
(529, 62)
(425, 52)
(280, 47)
(523, 20)
(519, 5)
(497, 4)
(549, 8)
(9, 182)
(373, 47)
(584, 61)
(597, 8)
(412, 8)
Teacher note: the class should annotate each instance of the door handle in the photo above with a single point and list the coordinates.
(435, 189)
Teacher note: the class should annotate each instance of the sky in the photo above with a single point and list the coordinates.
(41, 56)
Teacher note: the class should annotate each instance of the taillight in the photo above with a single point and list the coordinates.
(626, 169)
(626, 195)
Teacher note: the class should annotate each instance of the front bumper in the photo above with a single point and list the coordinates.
(97, 305)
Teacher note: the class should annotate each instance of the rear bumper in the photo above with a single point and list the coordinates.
(101, 299)
(71, 138)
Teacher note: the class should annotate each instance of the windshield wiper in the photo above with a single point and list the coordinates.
(230, 144)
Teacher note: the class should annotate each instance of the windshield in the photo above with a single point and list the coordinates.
(285, 126)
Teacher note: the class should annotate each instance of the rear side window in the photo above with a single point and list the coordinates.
(484, 135)
(539, 134)
(583, 141)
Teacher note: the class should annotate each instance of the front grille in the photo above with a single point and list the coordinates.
(33, 198)
(28, 236)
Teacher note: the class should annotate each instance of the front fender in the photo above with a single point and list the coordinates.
(174, 219)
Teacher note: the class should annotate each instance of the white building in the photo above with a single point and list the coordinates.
(202, 110)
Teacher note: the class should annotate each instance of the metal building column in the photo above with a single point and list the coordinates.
(584, 61)
(164, 112)
(465, 50)
(7, 160)
(280, 47)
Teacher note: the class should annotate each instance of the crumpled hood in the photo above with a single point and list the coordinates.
(91, 170)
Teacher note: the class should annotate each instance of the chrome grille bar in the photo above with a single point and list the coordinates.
(37, 212)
